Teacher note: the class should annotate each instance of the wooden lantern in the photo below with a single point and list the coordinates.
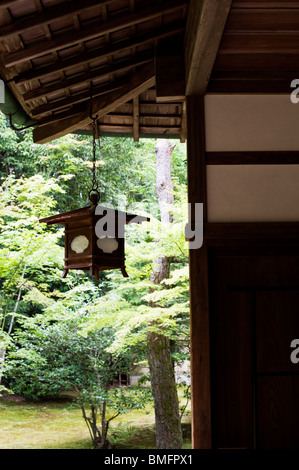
(87, 246)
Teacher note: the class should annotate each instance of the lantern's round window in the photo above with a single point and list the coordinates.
(107, 244)
(79, 244)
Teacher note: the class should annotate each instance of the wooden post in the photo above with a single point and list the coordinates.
(198, 262)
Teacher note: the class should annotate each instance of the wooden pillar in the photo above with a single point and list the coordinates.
(198, 262)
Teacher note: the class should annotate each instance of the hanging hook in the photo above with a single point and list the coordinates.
(93, 118)
(17, 128)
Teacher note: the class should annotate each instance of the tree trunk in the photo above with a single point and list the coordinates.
(167, 416)
(3, 350)
(2, 359)
(98, 438)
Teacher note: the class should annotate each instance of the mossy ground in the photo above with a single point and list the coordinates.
(57, 425)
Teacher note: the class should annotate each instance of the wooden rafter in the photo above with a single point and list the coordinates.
(138, 83)
(77, 98)
(61, 114)
(88, 76)
(7, 3)
(124, 112)
(73, 37)
(47, 31)
(53, 55)
(119, 46)
(49, 15)
(205, 26)
(107, 40)
(170, 64)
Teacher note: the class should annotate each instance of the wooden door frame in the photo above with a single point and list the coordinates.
(198, 268)
(215, 234)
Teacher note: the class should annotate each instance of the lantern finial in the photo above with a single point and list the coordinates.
(94, 196)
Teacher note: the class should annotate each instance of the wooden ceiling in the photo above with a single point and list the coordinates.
(259, 50)
(138, 59)
(57, 54)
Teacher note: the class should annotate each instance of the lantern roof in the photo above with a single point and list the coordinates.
(91, 210)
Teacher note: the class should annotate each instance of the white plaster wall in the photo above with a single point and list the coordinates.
(251, 122)
(252, 193)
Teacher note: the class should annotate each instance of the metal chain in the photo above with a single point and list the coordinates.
(95, 184)
(94, 194)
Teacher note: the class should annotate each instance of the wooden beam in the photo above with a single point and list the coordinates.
(262, 20)
(159, 116)
(124, 111)
(138, 83)
(49, 15)
(248, 4)
(119, 46)
(151, 107)
(249, 74)
(183, 133)
(136, 118)
(153, 132)
(262, 61)
(61, 115)
(8, 3)
(228, 233)
(253, 158)
(198, 266)
(268, 42)
(89, 76)
(160, 130)
(170, 65)
(93, 31)
(114, 115)
(77, 98)
(115, 129)
(254, 86)
(251, 80)
(205, 26)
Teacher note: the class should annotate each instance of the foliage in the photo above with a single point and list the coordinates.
(17, 152)
(52, 357)
(118, 401)
(27, 250)
(127, 306)
(62, 333)
(125, 170)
